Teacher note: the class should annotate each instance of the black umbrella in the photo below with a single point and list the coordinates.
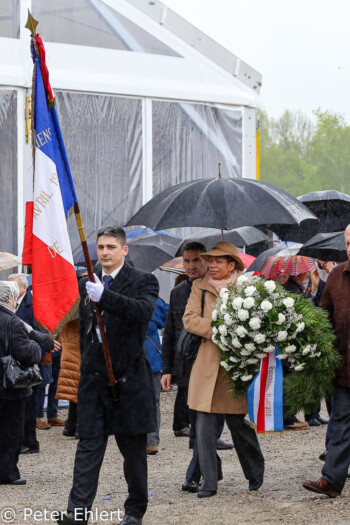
(331, 207)
(262, 258)
(244, 236)
(326, 246)
(221, 203)
(147, 251)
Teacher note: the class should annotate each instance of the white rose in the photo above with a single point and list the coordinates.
(300, 327)
(288, 302)
(266, 306)
(259, 339)
(282, 335)
(261, 356)
(214, 315)
(245, 352)
(306, 350)
(250, 347)
(241, 279)
(249, 302)
(223, 340)
(233, 359)
(215, 330)
(281, 319)
(250, 290)
(228, 319)
(252, 361)
(299, 368)
(270, 286)
(282, 356)
(237, 303)
(236, 343)
(225, 365)
(243, 315)
(269, 349)
(223, 291)
(241, 331)
(223, 329)
(223, 308)
(213, 339)
(246, 378)
(254, 323)
(290, 349)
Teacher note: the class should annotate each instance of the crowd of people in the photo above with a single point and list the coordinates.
(133, 313)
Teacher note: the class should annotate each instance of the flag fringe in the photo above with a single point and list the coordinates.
(68, 317)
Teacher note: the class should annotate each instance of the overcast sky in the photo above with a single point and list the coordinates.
(301, 48)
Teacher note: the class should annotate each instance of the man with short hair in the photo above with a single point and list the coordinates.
(195, 268)
(127, 300)
(336, 300)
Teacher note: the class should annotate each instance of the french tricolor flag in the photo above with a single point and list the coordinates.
(50, 198)
(265, 395)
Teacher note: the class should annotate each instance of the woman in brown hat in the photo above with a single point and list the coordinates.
(209, 391)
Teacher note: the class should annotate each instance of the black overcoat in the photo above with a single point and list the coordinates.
(23, 349)
(127, 308)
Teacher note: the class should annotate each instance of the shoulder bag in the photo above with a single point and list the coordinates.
(14, 374)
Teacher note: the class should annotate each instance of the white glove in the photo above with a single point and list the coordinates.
(95, 289)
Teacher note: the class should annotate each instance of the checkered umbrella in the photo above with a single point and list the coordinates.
(295, 265)
(7, 260)
(272, 266)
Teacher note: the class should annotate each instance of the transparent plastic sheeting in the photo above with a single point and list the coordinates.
(9, 18)
(93, 23)
(8, 171)
(103, 139)
(189, 140)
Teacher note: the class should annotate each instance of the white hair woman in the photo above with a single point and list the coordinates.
(14, 337)
(209, 391)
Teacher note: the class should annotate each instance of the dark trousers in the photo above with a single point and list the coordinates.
(11, 434)
(29, 434)
(72, 419)
(181, 410)
(88, 460)
(337, 462)
(193, 471)
(153, 437)
(245, 442)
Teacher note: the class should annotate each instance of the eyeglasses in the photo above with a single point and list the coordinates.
(216, 262)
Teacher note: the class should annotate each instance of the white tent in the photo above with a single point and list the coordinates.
(145, 101)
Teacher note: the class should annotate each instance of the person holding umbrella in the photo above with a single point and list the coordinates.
(209, 393)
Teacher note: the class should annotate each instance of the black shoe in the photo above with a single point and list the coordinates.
(190, 486)
(69, 519)
(206, 493)
(27, 450)
(222, 445)
(184, 432)
(322, 421)
(19, 481)
(68, 433)
(322, 456)
(256, 483)
(314, 423)
(132, 520)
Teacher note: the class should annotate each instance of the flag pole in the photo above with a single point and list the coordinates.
(31, 25)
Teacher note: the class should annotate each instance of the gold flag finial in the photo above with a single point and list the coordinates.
(31, 23)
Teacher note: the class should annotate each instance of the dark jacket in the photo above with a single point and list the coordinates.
(173, 328)
(22, 349)
(336, 300)
(152, 342)
(293, 286)
(127, 308)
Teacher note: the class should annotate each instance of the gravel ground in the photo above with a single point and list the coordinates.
(290, 459)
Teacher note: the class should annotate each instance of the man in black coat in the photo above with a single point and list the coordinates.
(127, 300)
(195, 268)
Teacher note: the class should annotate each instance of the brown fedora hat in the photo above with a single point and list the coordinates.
(225, 248)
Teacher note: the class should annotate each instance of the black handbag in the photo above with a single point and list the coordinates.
(188, 346)
(14, 374)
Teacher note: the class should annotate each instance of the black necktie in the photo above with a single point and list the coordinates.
(107, 281)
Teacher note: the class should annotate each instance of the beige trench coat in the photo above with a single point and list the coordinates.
(209, 387)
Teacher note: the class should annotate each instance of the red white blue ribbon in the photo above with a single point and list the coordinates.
(265, 395)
